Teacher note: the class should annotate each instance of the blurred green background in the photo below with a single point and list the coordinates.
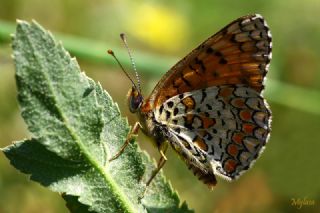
(159, 33)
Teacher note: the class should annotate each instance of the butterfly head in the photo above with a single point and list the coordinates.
(135, 99)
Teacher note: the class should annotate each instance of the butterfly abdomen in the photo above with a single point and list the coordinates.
(207, 178)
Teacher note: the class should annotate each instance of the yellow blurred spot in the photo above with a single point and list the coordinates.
(159, 27)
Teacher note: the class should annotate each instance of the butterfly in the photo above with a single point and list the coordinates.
(209, 106)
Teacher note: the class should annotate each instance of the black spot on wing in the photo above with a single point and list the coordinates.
(170, 104)
(161, 109)
(204, 95)
(175, 111)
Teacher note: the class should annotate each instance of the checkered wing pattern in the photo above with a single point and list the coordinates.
(218, 130)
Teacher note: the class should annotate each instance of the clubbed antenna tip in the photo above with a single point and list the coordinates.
(110, 52)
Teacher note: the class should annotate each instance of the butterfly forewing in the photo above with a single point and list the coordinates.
(238, 54)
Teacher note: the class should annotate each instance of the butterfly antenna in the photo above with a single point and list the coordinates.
(124, 39)
(110, 52)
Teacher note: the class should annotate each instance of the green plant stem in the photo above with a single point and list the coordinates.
(94, 51)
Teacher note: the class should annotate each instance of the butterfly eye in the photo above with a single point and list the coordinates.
(134, 100)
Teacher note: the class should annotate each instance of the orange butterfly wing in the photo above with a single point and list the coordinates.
(238, 54)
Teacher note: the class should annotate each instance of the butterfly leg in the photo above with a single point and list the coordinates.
(132, 134)
(161, 162)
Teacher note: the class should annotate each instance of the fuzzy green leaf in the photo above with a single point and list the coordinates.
(76, 128)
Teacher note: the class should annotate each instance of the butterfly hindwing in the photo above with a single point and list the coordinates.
(224, 128)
